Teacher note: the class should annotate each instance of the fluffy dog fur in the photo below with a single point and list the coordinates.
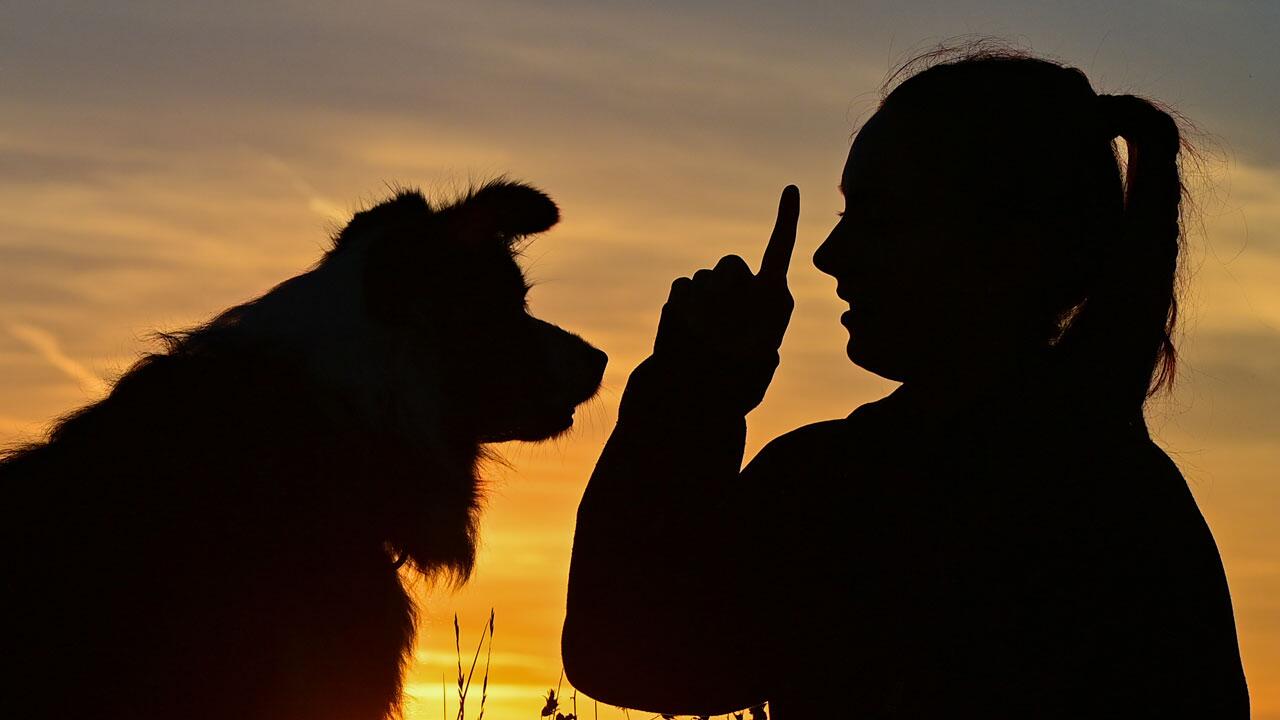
(221, 536)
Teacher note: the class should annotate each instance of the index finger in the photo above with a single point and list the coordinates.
(777, 254)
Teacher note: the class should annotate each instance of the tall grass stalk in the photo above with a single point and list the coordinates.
(488, 655)
(464, 681)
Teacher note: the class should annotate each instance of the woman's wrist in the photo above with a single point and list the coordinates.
(693, 390)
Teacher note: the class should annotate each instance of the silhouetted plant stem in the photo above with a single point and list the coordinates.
(488, 656)
(457, 644)
(464, 681)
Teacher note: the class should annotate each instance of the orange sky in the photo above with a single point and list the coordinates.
(159, 164)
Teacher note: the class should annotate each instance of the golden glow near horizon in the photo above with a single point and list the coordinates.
(157, 166)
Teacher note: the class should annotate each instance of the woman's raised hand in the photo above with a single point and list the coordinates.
(725, 325)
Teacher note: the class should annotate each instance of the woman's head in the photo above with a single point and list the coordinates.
(987, 220)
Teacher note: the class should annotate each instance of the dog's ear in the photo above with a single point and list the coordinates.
(400, 215)
(507, 209)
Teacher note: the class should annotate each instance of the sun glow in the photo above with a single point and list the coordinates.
(142, 195)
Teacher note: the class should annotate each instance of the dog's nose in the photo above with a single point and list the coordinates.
(589, 364)
(599, 361)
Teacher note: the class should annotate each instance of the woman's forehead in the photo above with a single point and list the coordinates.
(904, 148)
(879, 155)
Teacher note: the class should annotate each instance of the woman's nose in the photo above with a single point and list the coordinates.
(829, 256)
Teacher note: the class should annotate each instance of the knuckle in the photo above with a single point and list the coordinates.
(679, 291)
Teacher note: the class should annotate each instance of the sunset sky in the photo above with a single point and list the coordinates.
(160, 162)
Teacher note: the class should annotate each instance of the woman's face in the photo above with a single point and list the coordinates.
(908, 256)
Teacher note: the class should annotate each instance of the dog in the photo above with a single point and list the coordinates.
(228, 533)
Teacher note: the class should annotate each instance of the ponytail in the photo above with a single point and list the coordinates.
(1121, 338)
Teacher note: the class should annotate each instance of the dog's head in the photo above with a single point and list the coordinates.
(443, 288)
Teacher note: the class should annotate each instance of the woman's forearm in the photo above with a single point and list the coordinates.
(649, 574)
(657, 483)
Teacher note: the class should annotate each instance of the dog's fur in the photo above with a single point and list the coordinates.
(220, 536)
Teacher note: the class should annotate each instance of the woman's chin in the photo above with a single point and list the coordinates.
(876, 363)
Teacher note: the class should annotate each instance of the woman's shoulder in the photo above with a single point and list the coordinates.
(825, 445)
(805, 440)
(834, 440)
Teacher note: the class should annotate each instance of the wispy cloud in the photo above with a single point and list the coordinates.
(46, 345)
(316, 202)
(446, 658)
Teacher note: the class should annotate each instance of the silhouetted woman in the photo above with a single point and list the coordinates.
(999, 537)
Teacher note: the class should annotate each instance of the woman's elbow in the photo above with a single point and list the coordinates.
(603, 661)
(588, 664)
(624, 669)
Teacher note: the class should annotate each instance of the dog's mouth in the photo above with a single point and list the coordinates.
(544, 425)
(549, 413)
